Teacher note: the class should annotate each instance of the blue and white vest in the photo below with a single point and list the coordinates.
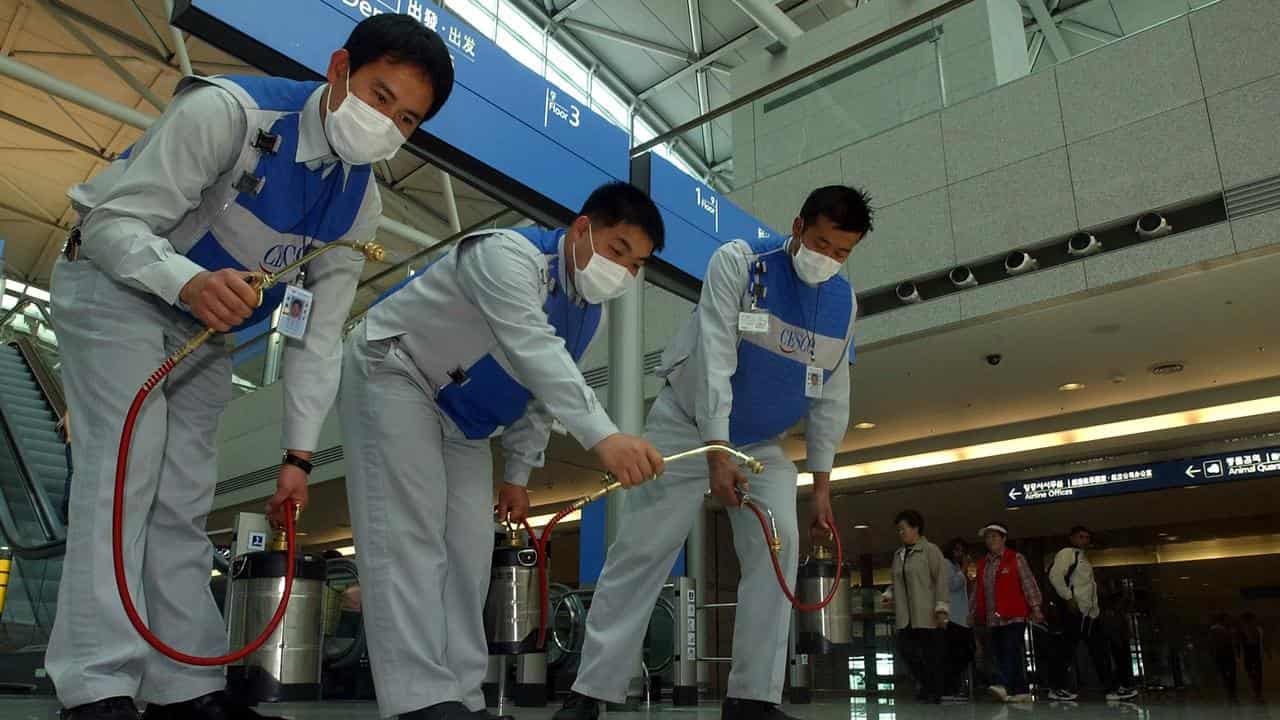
(469, 373)
(269, 209)
(806, 325)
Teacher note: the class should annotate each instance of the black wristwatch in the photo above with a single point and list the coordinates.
(303, 465)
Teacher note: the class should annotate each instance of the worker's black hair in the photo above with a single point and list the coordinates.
(401, 39)
(912, 518)
(1080, 528)
(618, 202)
(957, 542)
(848, 208)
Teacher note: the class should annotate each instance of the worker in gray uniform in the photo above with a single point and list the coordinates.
(483, 342)
(769, 344)
(239, 174)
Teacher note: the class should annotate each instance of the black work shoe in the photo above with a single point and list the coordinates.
(214, 706)
(116, 708)
(450, 710)
(739, 709)
(578, 707)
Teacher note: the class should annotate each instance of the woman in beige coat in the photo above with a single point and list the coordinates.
(922, 602)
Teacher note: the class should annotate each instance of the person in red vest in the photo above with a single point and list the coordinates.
(1006, 596)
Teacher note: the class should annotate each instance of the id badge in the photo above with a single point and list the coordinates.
(813, 381)
(754, 322)
(294, 311)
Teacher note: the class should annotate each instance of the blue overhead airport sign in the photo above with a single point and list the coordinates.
(1203, 470)
(698, 219)
(501, 116)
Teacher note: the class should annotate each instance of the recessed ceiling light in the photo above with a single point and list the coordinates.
(1163, 534)
(1169, 368)
(1069, 387)
(861, 526)
(872, 491)
(1171, 537)
(1185, 577)
(864, 425)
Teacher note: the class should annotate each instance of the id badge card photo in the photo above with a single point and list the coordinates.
(295, 309)
(813, 381)
(753, 322)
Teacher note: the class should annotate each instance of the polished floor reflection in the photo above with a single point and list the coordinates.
(1170, 708)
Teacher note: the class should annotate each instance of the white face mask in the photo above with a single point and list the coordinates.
(601, 279)
(359, 133)
(814, 268)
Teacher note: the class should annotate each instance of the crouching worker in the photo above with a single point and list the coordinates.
(768, 345)
(483, 342)
(237, 174)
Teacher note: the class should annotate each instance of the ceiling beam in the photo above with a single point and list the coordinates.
(709, 59)
(56, 137)
(1087, 31)
(567, 10)
(15, 28)
(625, 39)
(115, 67)
(1052, 34)
(778, 24)
(700, 78)
(32, 217)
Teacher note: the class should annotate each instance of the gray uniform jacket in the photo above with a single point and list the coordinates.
(701, 360)
(128, 209)
(489, 300)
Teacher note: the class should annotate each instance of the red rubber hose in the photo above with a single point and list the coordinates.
(544, 584)
(782, 580)
(117, 546)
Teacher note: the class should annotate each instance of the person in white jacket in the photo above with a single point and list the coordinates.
(1077, 592)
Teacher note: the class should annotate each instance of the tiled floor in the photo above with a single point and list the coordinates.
(857, 709)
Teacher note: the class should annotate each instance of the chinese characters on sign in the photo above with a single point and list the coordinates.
(457, 35)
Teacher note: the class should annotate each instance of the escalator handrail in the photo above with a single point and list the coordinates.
(21, 550)
(49, 385)
(55, 533)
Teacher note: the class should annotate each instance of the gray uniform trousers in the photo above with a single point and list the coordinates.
(657, 517)
(112, 338)
(421, 499)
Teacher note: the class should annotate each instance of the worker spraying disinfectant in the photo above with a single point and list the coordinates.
(485, 341)
(768, 345)
(235, 181)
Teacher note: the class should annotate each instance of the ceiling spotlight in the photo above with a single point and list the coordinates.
(1169, 368)
(864, 425)
(1152, 225)
(1069, 387)
(1019, 263)
(962, 277)
(908, 293)
(861, 526)
(1082, 244)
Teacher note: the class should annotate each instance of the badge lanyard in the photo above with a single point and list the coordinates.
(290, 325)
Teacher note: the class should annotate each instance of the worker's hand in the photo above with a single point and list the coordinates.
(220, 299)
(513, 504)
(630, 459)
(824, 519)
(1037, 616)
(291, 485)
(726, 477)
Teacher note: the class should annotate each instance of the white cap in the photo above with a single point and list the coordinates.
(998, 527)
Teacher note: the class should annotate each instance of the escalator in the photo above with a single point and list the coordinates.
(33, 472)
